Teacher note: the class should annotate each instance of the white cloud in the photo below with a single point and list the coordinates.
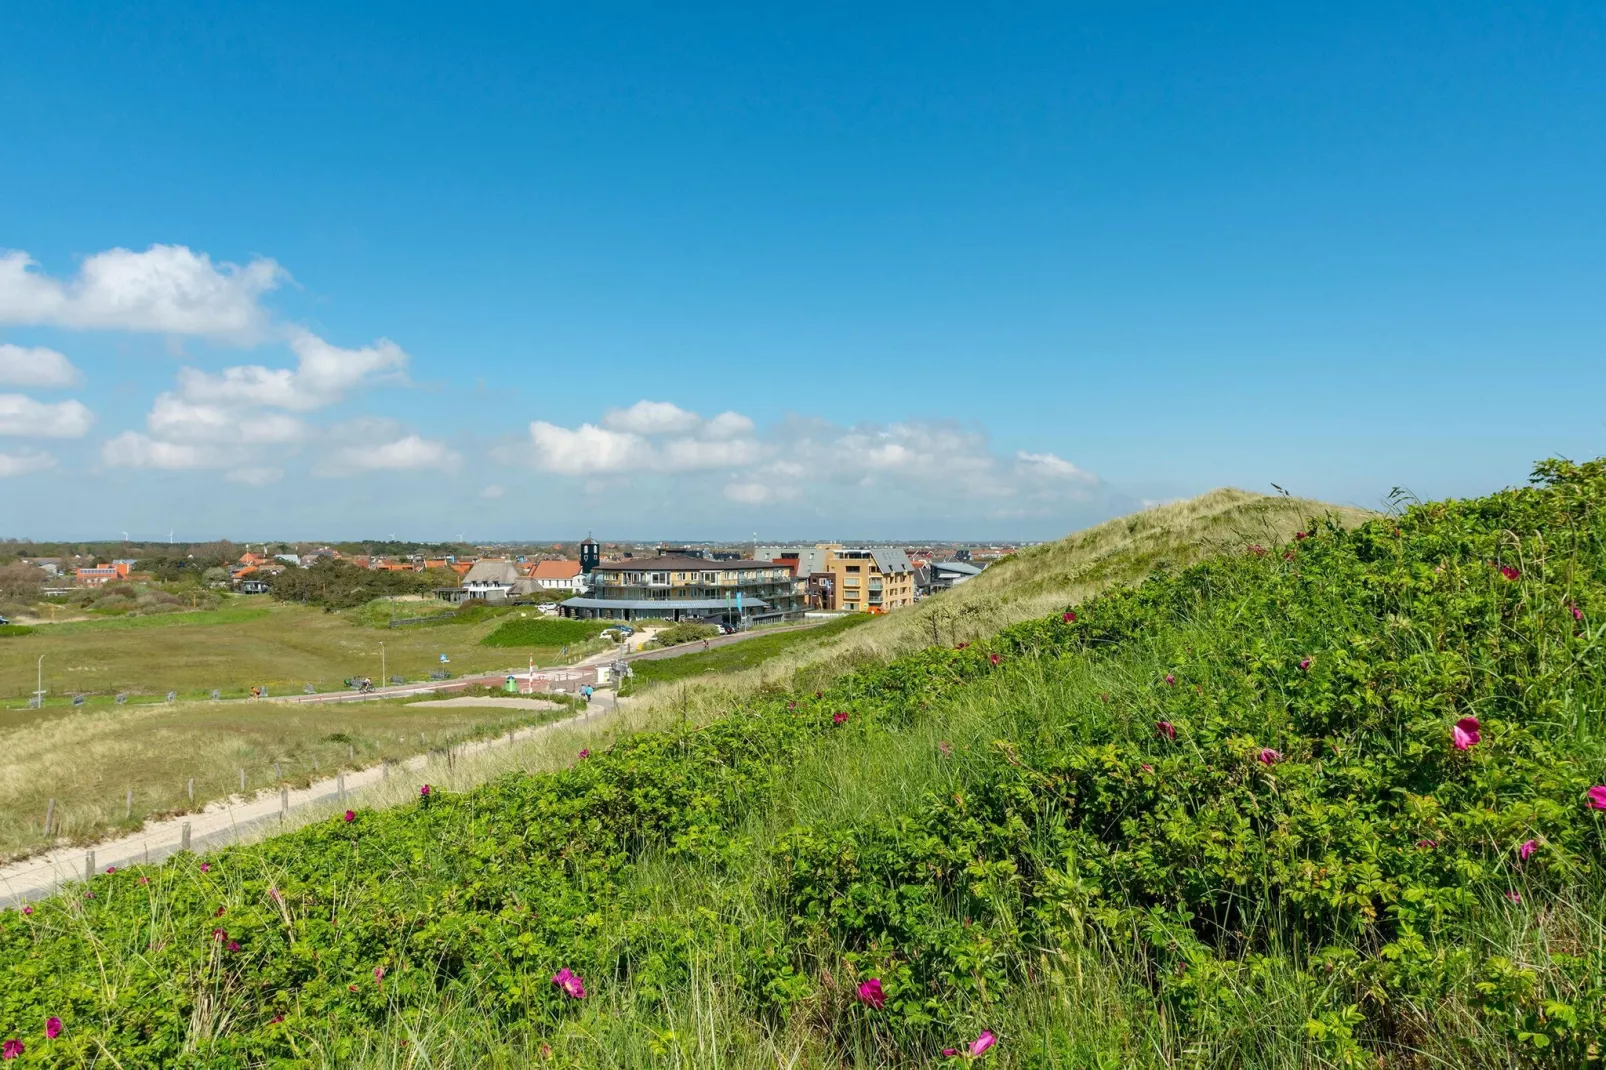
(728, 425)
(586, 449)
(134, 450)
(753, 492)
(686, 454)
(22, 415)
(651, 418)
(36, 366)
(166, 288)
(173, 418)
(255, 477)
(375, 444)
(324, 375)
(1048, 466)
(25, 461)
(492, 493)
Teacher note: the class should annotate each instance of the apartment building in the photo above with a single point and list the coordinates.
(871, 579)
(682, 587)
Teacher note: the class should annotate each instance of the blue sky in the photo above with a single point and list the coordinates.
(949, 273)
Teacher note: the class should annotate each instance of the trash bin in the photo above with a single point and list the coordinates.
(510, 685)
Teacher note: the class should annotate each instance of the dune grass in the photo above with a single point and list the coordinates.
(737, 657)
(88, 761)
(1214, 821)
(247, 643)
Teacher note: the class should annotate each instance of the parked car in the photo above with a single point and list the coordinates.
(3, 622)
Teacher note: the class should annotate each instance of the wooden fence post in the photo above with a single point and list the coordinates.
(89, 864)
(50, 813)
(284, 803)
(340, 784)
(128, 805)
(277, 774)
(191, 789)
(351, 752)
(184, 837)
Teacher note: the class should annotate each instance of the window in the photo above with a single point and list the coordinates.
(853, 568)
(850, 581)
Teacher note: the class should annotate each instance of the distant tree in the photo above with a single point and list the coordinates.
(21, 583)
(215, 574)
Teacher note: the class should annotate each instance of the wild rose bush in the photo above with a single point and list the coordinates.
(1306, 822)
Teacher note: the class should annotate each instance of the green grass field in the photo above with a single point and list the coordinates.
(248, 642)
(88, 760)
(736, 657)
(1234, 816)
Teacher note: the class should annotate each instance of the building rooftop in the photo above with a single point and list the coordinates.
(682, 564)
(555, 570)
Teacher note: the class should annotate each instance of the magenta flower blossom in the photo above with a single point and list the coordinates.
(870, 992)
(276, 895)
(838, 717)
(144, 880)
(220, 935)
(1267, 756)
(52, 1028)
(570, 982)
(1508, 572)
(950, 1052)
(424, 791)
(1515, 897)
(234, 945)
(1301, 536)
(111, 869)
(1465, 733)
(276, 1019)
(1578, 614)
(959, 646)
(1527, 849)
(26, 911)
(206, 867)
(379, 973)
(1171, 679)
(994, 658)
(1258, 550)
(350, 816)
(1597, 797)
(12, 1049)
(1166, 729)
(1304, 664)
(791, 705)
(585, 752)
(1427, 845)
(1069, 617)
(983, 1042)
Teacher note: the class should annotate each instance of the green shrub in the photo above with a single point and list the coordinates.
(1234, 788)
(684, 632)
(544, 631)
(7, 630)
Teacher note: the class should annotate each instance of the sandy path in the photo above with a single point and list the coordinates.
(491, 702)
(225, 821)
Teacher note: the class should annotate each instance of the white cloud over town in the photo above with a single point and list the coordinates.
(805, 461)
(36, 366)
(29, 418)
(167, 289)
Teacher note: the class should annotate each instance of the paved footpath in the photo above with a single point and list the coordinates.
(226, 821)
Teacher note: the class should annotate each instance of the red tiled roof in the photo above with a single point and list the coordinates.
(555, 570)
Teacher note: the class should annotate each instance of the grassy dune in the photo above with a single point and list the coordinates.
(1036, 581)
(247, 643)
(89, 760)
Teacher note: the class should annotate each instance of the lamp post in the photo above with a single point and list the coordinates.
(39, 685)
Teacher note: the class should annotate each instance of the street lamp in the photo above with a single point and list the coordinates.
(39, 686)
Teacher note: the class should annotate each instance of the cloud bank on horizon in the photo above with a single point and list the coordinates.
(287, 412)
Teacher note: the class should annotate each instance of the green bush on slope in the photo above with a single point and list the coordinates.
(1369, 875)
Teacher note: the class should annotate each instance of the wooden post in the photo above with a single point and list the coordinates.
(351, 752)
(277, 774)
(284, 803)
(128, 805)
(242, 781)
(89, 864)
(184, 837)
(314, 763)
(191, 789)
(50, 814)
(340, 784)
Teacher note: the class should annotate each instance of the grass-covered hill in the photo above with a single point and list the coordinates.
(1239, 815)
(1043, 577)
